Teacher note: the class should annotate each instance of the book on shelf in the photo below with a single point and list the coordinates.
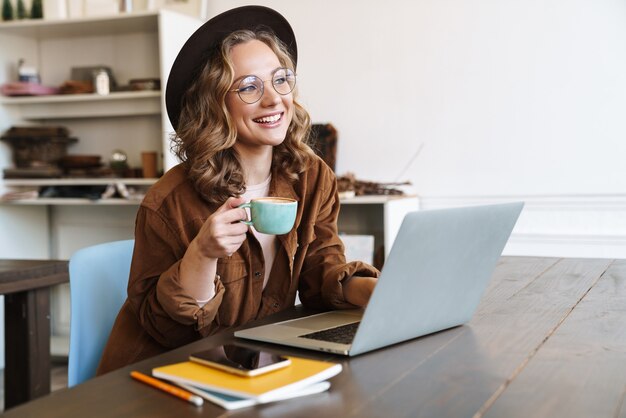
(276, 385)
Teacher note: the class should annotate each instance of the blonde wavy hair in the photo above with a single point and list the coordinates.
(206, 133)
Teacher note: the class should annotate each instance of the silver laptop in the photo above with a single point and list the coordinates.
(437, 270)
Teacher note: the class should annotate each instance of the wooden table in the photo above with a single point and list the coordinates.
(548, 340)
(26, 286)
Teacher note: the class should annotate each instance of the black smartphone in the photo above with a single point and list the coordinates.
(240, 360)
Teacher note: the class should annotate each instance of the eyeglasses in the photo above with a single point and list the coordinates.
(251, 88)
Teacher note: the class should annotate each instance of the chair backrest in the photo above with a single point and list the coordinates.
(98, 282)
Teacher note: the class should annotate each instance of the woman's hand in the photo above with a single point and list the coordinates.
(222, 234)
(357, 290)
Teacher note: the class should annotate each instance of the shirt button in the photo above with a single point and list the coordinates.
(257, 274)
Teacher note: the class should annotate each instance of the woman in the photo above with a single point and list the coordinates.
(240, 133)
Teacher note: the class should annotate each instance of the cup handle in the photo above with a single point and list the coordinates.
(243, 206)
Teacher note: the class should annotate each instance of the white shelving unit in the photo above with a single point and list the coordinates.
(379, 216)
(32, 184)
(78, 182)
(134, 45)
(86, 26)
(72, 106)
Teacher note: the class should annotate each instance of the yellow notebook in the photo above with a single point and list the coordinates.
(300, 374)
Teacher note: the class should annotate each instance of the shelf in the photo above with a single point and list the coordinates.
(69, 201)
(72, 202)
(64, 106)
(78, 182)
(372, 199)
(74, 98)
(359, 200)
(89, 26)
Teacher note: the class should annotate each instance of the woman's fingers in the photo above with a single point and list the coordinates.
(230, 211)
(232, 215)
(223, 233)
(228, 223)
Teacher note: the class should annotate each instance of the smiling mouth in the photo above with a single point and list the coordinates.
(268, 120)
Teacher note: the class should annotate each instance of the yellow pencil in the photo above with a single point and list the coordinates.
(172, 390)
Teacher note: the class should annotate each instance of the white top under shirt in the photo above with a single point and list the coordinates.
(268, 242)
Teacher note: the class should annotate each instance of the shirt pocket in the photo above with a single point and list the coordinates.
(233, 275)
(231, 269)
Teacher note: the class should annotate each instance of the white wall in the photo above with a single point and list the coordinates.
(512, 99)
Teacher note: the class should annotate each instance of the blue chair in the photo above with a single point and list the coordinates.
(98, 282)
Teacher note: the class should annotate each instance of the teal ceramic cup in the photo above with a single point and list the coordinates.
(271, 215)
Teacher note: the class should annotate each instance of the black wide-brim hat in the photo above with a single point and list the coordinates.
(204, 42)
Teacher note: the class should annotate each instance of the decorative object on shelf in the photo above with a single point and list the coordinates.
(20, 195)
(36, 9)
(349, 183)
(141, 84)
(96, 172)
(119, 162)
(101, 82)
(126, 6)
(196, 8)
(76, 87)
(80, 76)
(79, 161)
(27, 74)
(85, 192)
(129, 192)
(37, 150)
(149, 164)
(20, 88)
(21, 10)
(32, 173)
(37, 131)
(28, 84)
(323, 140)
(7, 10)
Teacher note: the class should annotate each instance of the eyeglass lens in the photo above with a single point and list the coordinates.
(251, 87)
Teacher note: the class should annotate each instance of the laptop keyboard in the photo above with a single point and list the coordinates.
(343, 334)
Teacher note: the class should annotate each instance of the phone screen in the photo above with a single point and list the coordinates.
(240, 360)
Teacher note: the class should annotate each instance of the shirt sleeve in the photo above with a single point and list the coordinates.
(164, 309)
(325, 268)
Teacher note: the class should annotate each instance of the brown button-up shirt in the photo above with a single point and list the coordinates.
(159, 315)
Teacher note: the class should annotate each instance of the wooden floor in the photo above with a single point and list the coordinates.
(58, 380)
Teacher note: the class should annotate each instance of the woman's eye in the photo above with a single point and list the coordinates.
(280, 80)
(248, 88)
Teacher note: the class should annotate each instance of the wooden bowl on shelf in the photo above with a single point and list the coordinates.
(79, 161)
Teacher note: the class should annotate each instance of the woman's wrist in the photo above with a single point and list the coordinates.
(197, 273)
(196, 252)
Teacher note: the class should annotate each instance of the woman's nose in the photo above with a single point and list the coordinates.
(270, 96)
